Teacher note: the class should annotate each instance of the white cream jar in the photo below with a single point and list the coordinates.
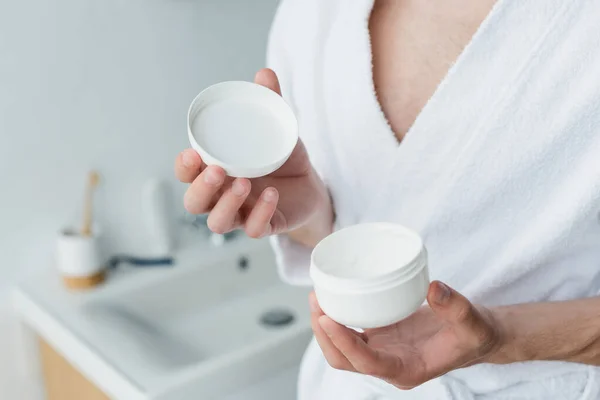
(370, 275)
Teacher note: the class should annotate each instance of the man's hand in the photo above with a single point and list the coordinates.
(289, 199)
(451, 333)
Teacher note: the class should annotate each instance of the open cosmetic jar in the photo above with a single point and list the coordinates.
(245, 128)
(370, 275)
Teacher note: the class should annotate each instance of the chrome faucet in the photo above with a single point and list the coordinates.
(199, 223)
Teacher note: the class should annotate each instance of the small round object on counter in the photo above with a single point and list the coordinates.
(277, 318)
(370, 275)
(245, 128)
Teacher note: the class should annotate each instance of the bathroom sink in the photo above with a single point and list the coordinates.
(210, 325)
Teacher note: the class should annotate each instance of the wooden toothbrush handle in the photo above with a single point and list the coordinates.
(86, 228)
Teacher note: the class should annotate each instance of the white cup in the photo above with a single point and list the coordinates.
(78, 256)
(370, 275)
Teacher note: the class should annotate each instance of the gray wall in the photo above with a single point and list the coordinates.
(100, 84)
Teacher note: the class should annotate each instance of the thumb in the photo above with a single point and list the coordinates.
(451, 306)
(266, 77)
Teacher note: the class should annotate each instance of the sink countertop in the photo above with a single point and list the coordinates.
(281, 386)
(52, 312)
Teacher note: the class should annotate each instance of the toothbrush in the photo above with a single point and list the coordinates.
(93, 180)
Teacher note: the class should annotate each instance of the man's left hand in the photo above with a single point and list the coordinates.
(451, 333)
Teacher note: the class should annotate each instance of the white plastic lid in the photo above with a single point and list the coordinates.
(245, 128)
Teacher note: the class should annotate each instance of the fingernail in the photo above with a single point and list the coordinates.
(187, 159)
(238, 188)
(443, 293)
(312, 303)
(269, 196)
(212, 177)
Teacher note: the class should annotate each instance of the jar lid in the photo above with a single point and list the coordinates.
(367, 257)
(245, 128)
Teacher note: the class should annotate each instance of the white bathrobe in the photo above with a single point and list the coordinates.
(500, 173)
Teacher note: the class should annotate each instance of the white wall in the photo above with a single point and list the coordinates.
(100, 84)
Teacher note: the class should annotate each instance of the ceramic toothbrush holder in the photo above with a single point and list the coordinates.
(79, 260)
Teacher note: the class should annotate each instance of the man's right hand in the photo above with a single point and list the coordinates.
(293, 198)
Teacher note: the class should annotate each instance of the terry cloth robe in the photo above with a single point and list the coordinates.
(500, 172)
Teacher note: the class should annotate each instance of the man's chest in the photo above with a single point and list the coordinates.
(414, 44)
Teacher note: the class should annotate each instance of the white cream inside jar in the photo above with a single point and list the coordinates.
(370, 275)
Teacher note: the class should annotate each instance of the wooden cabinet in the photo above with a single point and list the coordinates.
(62, 381)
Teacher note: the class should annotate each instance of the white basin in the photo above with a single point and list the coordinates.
(193, 331)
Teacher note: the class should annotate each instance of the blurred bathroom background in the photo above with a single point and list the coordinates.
(105, 85)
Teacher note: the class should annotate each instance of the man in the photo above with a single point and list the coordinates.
(475, 124)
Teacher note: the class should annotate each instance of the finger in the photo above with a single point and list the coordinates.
(475, 325)
(450, 305)
(258, 223)
(199, 195)
(267, 78)
(223, 216)
(363, 358)
(333, 356)
(188, 165)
